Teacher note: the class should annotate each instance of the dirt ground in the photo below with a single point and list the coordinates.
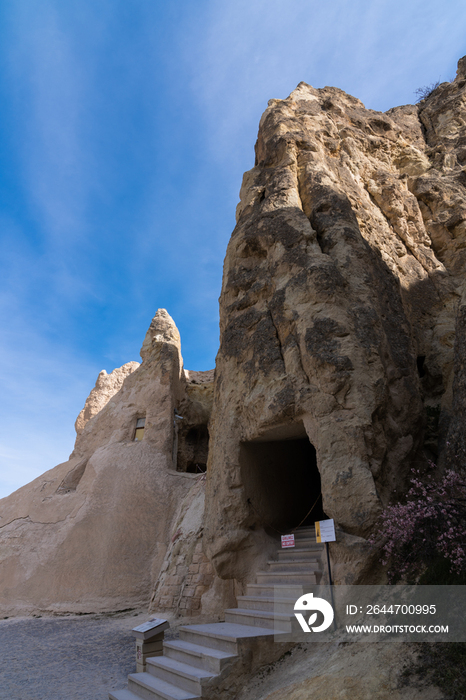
(83, 657)
(67, 658)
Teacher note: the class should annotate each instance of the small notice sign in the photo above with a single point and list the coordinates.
(325, 531)
(150, 629)
(287, 541)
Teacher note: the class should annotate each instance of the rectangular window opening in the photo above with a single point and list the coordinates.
(139, 432)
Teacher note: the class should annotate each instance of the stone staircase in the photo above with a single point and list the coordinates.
(204, 657)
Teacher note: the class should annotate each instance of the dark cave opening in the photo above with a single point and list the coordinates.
(193, 448)
(421, 370)
(282, 482)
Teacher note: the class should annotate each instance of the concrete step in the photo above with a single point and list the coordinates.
(307, 543)
(146, 686)
(124, 694)
(304, 542)
(290, 577)
(308, 553)
(177, 673)
(307, 533)
(197, 655)
(281, 590)
(303, 565)
(223, 636)
(304, 531)
(260, 618)
(268, 604)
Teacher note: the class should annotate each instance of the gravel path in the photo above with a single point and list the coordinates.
(66, 658)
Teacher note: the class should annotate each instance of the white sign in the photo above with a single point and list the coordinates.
(287, 541)
(150, 629)
(325, 531)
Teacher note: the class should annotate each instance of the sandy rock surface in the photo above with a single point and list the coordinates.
(106, 386)
(91, 534)
(362, 671)
(338, 315)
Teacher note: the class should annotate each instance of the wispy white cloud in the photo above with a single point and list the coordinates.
(249, 52)
(50, 89)
(43, 389)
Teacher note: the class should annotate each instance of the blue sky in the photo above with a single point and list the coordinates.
(125, 128)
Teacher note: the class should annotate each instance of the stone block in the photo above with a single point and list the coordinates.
(171, 590)
(148, 647)
(142, 658)
(145, 650)
(166, 601)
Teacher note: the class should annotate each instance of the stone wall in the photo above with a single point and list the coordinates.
(186, 573)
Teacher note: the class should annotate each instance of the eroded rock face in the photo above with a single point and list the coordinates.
(340, 672)
(338, 314)
(92, 533)
(187, 585)
(106, 386)
(192, 434)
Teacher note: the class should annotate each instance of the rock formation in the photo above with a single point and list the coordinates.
(106, 386)
(187, 584)
(341, 366)
(340, 295)
(91, 534)
(339, 671)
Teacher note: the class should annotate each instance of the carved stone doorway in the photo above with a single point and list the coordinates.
(281, 480)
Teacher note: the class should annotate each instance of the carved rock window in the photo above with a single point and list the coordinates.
(139, 432)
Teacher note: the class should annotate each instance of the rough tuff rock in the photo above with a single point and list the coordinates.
(187, 585)
(338, 314)
(106, 386)
(91, 534)
(339, 671)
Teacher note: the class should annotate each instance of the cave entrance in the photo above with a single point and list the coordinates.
(193, 448)
(281, 480)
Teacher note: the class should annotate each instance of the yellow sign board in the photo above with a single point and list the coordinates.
(325, 531)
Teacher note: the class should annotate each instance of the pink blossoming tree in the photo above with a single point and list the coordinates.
(430, 525)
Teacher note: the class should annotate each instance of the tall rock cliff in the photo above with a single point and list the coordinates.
(340, 305)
